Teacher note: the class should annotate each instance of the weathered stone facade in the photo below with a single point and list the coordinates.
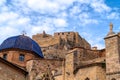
(38, 67)
(12, 55)
(67, 56)
(9, 71)
(92, 72)
(112, 41)
(58, 45)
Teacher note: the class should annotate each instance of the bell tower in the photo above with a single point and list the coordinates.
(112, 44)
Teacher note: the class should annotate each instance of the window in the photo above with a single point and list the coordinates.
(21, 57)
(113, 79)
(5, 56)
(87, 78)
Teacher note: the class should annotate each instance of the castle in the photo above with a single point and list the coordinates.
(62, 56)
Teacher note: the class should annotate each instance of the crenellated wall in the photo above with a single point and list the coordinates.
(55, 47)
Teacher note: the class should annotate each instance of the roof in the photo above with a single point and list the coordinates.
(13, 66)
(21, 42)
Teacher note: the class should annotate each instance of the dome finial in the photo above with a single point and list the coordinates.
(24, 33)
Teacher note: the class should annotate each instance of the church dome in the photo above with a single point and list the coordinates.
(21, 42)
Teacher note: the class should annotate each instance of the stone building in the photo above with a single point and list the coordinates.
(62, 56)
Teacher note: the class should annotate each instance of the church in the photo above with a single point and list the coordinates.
(62, 56)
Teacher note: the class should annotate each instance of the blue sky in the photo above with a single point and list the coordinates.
(90, 18)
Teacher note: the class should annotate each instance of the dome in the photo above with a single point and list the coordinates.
(21, 42)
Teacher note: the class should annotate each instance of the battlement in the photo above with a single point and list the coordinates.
(71, 38)
(62, 34)
(52, 46)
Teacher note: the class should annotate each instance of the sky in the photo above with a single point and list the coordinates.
(90, 18)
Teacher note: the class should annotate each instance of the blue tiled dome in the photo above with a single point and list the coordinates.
(22, 42)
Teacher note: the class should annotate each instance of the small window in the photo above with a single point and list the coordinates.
(21, 57)
(5, 56)
(58, 33)
(87, 78)
(62, 33)
(113, 79)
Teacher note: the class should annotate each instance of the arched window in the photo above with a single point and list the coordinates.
(5, 56)
(113, 79)
(87, 78)
(21, 57)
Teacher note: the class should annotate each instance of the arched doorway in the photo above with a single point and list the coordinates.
(87, 78)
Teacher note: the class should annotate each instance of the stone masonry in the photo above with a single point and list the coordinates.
(55, 47)
(67, 56)
(112, 42)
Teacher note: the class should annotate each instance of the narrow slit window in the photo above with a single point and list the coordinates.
(113, 79)
(21, 57)
(5, 56)
(87, 78)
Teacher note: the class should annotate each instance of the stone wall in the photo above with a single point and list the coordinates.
(74, 60)
(37, 68)
(60, 43)
(94, 72)
(13, 56)
(113, 76)
(8, 72)
(112, 54)
(88, 72)
(87, 54)
(60, 77)
(112, 43)
(101, 71)
(69, 65)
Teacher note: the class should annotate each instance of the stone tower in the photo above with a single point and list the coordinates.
(70, 65)
(112, 43)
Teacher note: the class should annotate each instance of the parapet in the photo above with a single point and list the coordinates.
(63, 34)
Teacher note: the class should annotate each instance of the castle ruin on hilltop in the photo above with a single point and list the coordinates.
(62, 56)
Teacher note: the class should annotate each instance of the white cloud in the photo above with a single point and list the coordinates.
(99, 6)
(23, 20)
(7, 31)
(2, 2)
(113, 15)
(8, 16)
(85, 19)
(84, 16)
(94, 41)
(44, 5)
(60, 22)
(75, 10)
(39, 29)
(62, 15)
(52, 6)
(34, 16)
